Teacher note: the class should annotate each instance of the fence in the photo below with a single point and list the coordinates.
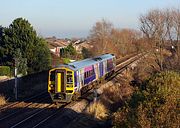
(26, 86)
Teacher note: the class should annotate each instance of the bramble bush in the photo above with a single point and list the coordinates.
(154, 105)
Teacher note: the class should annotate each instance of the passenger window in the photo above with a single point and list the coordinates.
(69, 79)
(88, 74)
(91, 72)
(85, 75)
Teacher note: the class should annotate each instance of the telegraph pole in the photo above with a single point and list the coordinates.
(15, 78)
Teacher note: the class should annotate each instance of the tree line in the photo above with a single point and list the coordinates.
(158, 29)
(154, 101)
(20, 46)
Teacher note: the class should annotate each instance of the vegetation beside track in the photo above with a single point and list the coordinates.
(142, 97)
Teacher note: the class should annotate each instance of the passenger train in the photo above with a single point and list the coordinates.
(69, 81)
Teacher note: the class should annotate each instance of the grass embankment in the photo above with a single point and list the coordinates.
(2, 98)
(152, 100)
(112, 98)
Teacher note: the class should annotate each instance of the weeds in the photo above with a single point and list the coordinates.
(2, 100)
(98, 110)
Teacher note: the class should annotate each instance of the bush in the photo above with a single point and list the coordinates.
(4, 71)
(98, 110)
(155, 105)
(66, 60)
(86, 53)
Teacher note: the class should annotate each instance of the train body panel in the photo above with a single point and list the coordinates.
(67, 80)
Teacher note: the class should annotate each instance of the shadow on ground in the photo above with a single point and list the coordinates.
(64, 118)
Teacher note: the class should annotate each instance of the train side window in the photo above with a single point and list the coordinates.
(109, 64)
(91, 72)
(88, 74)
(85, 75)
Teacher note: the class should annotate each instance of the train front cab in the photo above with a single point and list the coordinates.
(61, 84)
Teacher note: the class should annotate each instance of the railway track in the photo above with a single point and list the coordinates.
(16, 110)
(37, 116)
(62, 120)
(36, 113)
(21, 102)
(59, 112)
(123, 64)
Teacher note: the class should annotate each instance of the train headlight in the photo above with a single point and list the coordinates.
(51, 85)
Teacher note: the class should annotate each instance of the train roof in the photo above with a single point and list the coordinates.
(87, 62)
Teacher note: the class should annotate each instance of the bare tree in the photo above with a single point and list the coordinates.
(153, 25)
(162, 28)
(126, 40)
(176, 25)
(107, 39)
(100, 36)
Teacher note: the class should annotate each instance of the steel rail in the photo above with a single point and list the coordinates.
(12, 104)
(31, 116)
(26, 106)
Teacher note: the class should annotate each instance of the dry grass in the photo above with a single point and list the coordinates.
(98, 110)
(113, 97)
(3, 77)
(2, 100)
(145, 68)
(119, 91)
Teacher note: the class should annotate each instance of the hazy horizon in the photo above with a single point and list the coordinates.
(68, 19)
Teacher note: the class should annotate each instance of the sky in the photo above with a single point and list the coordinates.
(75, 18)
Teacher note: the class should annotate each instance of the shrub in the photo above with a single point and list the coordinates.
(155, 105)
(165, 83)
(98, 110)
(4, 71)
(66, 60)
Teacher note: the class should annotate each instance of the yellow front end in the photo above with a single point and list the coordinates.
(61, 84)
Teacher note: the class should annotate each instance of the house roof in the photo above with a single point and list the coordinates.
(53, 43)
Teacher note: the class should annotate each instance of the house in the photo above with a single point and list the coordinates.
(80, 44)
(55, 45)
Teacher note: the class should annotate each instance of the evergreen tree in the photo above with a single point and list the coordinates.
(20, 63)
(69, 51)
(21, 35)
(1, 48)
(86, 53)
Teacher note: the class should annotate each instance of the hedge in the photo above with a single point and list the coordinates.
(4, 71)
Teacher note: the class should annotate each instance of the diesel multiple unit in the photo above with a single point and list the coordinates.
(69, 81)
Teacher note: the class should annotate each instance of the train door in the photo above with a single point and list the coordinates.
(96, 71)
(60, 81)
(81, 78)
(101, 69)
(105, 67)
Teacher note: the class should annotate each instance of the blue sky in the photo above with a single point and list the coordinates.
(75, 18)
